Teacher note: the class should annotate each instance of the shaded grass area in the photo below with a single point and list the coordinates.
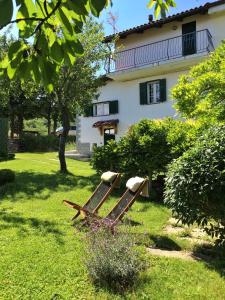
(42, 254)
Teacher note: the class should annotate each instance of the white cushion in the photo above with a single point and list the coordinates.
(108, 176)
(134, 183)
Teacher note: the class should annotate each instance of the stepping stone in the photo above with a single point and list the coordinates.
(185, 255)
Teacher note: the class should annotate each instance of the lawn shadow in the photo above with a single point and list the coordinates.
(157, 241)
(130, 222)
(213, 257)
(164, 242)
(41, 185)
(43, 227)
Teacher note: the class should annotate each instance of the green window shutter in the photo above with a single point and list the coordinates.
(113, 107)
(88, 111)
(163, 96)
(143, 93)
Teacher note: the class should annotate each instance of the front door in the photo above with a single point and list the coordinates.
(189, 38)
(109, 134)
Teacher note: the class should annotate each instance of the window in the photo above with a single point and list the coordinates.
(101, 109)
(152, 92)
(153, 89)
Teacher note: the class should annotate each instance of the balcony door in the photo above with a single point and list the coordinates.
(189, 38)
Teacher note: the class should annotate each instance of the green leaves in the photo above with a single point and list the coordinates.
(97, 6)
(161, 7)
(200, 94)
(48, 33)
(6, 11)
(57, 52)
(195, 189)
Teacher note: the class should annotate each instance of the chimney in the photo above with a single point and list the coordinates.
(150, 18)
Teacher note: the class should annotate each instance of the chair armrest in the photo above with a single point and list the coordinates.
(81, 209)
(75, 206)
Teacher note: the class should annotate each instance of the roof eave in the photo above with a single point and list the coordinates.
(191, 12)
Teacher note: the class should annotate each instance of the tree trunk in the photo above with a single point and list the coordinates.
(62, 139)
(12, 117)
(49, 122)
(55, 119)
(150, 180)
(12, 124)
(20, 123)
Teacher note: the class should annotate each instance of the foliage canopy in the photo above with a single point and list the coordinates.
(48, 35)
(200, 94)
(195, 189)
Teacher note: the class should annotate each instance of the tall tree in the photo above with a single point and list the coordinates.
(78, 85)
(17, 101)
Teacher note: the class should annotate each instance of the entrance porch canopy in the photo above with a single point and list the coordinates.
(106, 124)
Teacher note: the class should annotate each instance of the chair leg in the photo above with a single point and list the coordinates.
(78, 213)
(112, 228)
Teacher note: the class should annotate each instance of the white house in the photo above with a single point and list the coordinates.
(147, 65)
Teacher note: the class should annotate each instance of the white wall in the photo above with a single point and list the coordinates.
(130, 110)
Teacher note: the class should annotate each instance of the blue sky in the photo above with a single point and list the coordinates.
(135, 12)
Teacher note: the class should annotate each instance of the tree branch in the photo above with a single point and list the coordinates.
(48, 16)
(20, 20)
(45, 7)
(41, 20)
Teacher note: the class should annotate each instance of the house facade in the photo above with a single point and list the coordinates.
(148, 62)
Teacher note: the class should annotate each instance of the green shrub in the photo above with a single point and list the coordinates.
(195, 184)
(106, 158)
(180, 135)
(146, 149)
(111, 260)
(31, 143)
(4, 157)
(6, 176)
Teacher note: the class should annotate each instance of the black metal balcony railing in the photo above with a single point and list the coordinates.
(180, 46)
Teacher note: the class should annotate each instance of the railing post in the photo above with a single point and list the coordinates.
(168, 56)
(135, 57)
(109, 64)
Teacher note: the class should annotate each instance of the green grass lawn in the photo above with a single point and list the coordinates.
(41, 254)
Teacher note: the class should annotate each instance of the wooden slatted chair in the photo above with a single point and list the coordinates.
(118, 211)
(101, 193)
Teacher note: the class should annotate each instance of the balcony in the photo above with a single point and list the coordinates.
(195, 44)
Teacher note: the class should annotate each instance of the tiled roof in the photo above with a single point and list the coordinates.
(158, 23)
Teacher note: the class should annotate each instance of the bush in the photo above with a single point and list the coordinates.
(6, 176)
(106, 158)
(180, 135)
(31, 143)
(4, 157)
(112, 261)
(146, 149)
(195, 184)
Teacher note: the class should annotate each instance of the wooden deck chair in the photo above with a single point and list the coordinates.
(96, 200)
(122, 206)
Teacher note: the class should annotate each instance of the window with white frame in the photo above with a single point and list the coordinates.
(153, 92)
(101, 109)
